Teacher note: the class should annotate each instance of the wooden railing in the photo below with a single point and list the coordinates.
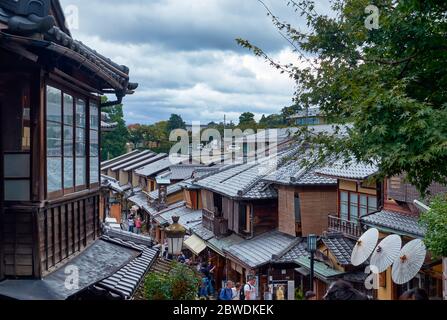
(350, 229)
(218, 225)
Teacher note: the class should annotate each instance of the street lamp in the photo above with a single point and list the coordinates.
(312, 248)
(175, 233)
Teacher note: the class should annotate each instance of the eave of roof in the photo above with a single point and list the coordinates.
(116, 77)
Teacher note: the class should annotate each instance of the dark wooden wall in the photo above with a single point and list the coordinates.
(265, 216)
(18, 243)
(34, 241)
(66, 229)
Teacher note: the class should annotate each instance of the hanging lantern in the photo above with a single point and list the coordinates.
(175, 235)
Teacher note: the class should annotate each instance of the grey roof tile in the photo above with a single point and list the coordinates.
(401, 223)
(126, 280)
(350, 170)
(160, 165)
(291, 255)
(188, 218)
(173, 188)
(340, 246)
(203, 233)
(182, 171)
(260, 250)
(244, 181)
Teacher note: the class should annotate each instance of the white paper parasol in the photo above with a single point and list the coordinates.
(364, 247)
(386, 253)
(409, 262)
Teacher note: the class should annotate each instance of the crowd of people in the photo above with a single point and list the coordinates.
(239, 291)
(339, 290)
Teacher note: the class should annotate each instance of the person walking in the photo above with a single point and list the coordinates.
(236, 291)
(131, 223)
(250, 289)
(227, 292)
(138, 225)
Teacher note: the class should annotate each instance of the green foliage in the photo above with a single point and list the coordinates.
(175, 122)
(435, 222)
(137, 134)
(181, 283)
(113, 143)
(157, 287)
(299, 294)
(388, 83)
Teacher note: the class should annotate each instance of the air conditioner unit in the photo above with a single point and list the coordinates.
(40, 8)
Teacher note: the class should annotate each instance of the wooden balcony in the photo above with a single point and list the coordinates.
(349, 228)
(217, 224)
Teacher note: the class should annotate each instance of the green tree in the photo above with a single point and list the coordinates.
(181, 283)
(247, 118)
(435, 222)
(388, 83)
(175, 122)
(113, 143)
(136, 134)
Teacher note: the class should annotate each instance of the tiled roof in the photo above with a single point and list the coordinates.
(309, 112)
(340, 246)
(114, 184)
(291, 255)
(182, 171)
(28, 33)
(261, 249)
(398, 222)
(173, 188)
(202, 171)
(105, 126)
(127, 159)
(219, 245)
(145, 162)
(322, 270)
(143, 156)
(188, 218)
(294, 173)
(114, 160)
(127, 279)
(159, 166)
(351, 170)
(203, 233)
(244, 181)
(140, 199)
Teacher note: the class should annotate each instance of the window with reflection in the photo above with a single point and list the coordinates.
(81, 152)
(68, 143)
(94, 143)
(54, 140)
(354, 205)
(68, 131)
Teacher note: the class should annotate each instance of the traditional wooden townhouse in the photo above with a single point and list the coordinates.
(111, 167)
(50, 89)
(148, 173)
(305, 199)
(365, 202)
(399, 215)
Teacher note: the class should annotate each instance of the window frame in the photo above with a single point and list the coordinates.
(358, 204)
(88, 99)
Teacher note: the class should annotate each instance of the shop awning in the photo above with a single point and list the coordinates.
(195, 244)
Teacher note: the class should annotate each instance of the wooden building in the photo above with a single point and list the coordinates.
(358, 194)
(50, 89)
(365, 202)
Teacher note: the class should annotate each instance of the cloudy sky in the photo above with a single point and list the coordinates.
(184, 56)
